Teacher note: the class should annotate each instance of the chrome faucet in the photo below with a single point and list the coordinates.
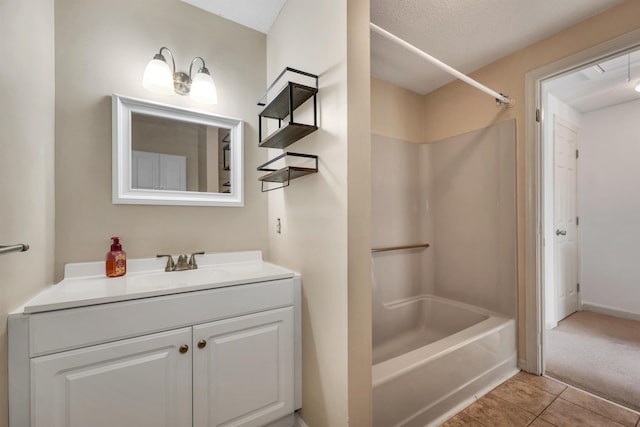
(182, 263)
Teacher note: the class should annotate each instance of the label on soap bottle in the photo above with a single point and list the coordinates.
(120, 264)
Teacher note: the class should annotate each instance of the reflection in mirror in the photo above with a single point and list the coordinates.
(169, 154)
(174, 156)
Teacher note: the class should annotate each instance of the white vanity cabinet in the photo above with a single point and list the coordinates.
(247, 364)
(225, 356)
(144, 381)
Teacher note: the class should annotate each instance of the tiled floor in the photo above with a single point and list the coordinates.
(529, 400)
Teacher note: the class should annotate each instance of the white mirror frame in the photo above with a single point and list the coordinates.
(122, 109)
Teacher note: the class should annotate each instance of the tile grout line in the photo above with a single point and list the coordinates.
(568, 386)
(594, 412)
(555, 396)
(471, 416)
(551, 403)
(519, 407)
(611, 402)
(534, 385)
(527, 382)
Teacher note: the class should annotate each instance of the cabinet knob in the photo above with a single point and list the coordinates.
(184, 348)
(202, 344)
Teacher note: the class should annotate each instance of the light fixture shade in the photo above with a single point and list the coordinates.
(158, 77)
(203, 89)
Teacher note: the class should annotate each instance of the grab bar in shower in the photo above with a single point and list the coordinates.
(397, 248)
(5, 249)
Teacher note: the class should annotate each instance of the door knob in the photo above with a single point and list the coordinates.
(184, 348)
(202, 344)
(561, 232)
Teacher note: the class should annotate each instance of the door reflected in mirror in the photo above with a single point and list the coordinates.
(168, 154)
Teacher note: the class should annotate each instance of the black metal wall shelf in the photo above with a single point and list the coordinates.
(286, 174)
(283, 105)
(290, 97)
(287, 135)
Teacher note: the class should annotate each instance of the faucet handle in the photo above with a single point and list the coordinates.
(192, 260)
(170, 263)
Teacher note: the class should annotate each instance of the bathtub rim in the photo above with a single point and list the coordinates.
(388, 370)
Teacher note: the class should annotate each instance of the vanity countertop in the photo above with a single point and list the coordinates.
(86, 283)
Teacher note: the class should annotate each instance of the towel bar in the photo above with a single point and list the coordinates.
(5, 249)
(397, 248)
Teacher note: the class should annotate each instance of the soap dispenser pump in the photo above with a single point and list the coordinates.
(116, 259)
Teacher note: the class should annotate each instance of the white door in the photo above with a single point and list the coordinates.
(565, 231)
(144, 381)
(243, 370)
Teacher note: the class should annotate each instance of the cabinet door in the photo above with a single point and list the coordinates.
(158, 171)
(144, 381)
(243, 370)
(173, 172)
(144, 170)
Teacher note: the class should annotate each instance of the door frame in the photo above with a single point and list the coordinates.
(534, 190)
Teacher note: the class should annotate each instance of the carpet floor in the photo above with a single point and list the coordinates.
(597, 353)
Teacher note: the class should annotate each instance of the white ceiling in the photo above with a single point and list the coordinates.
(464, 34)
(610, 83)
(467, 35)
(256, 14)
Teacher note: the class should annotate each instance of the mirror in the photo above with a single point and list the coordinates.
(167, 155)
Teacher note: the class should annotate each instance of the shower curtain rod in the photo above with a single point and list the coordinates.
(498, 96)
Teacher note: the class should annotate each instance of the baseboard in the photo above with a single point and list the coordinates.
(550, 325)
(611, 311)
(522, 364)
(299, 421)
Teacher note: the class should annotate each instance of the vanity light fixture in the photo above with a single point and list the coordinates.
(160, 79)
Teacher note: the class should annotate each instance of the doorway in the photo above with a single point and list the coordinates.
(578, 256)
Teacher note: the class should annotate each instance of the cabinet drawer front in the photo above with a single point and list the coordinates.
(243, 370)
(144, 381)
(79, 327)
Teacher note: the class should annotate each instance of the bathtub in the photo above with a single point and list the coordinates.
(432, 356)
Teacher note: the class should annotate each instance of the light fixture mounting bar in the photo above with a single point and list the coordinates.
(498, 96)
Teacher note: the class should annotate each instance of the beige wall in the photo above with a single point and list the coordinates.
(359, 213)
(396, 112)
(313, 209)
(457, 108)
(26, 162)
(103, 48)
(325, 217)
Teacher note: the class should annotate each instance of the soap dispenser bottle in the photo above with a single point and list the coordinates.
(116, 259)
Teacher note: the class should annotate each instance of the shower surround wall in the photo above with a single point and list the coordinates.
(474, 205)
(458, 195)
(401, 216)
